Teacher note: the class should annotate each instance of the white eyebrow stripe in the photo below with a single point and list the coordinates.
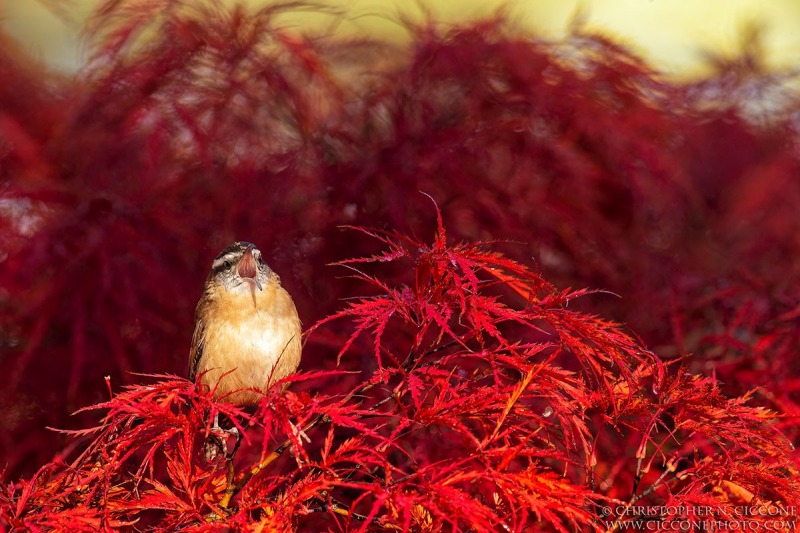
(219, 261)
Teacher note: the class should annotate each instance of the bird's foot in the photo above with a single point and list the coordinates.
(216, 445)
(299, 433)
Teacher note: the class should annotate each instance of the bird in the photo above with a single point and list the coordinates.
(247, 332)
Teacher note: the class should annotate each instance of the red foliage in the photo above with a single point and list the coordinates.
(483, 392)
(472, 419)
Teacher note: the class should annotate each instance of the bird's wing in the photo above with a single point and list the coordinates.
(198, 341)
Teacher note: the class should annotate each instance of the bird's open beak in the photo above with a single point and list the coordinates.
(248, 268)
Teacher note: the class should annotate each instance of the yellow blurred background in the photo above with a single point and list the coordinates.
(674, 35)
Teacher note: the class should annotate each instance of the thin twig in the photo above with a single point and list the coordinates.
(232, 489)
(230, 493)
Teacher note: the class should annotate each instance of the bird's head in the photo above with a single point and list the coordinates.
(240, 267)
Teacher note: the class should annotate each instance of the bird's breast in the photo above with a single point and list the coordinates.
(251, 340)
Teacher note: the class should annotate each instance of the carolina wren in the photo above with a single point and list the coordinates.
(247, 332)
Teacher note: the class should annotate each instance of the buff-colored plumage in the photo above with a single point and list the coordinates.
(247, 332)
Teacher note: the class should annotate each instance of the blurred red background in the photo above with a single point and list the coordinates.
(119, 185)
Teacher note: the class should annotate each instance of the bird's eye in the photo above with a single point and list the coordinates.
(223, 264)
